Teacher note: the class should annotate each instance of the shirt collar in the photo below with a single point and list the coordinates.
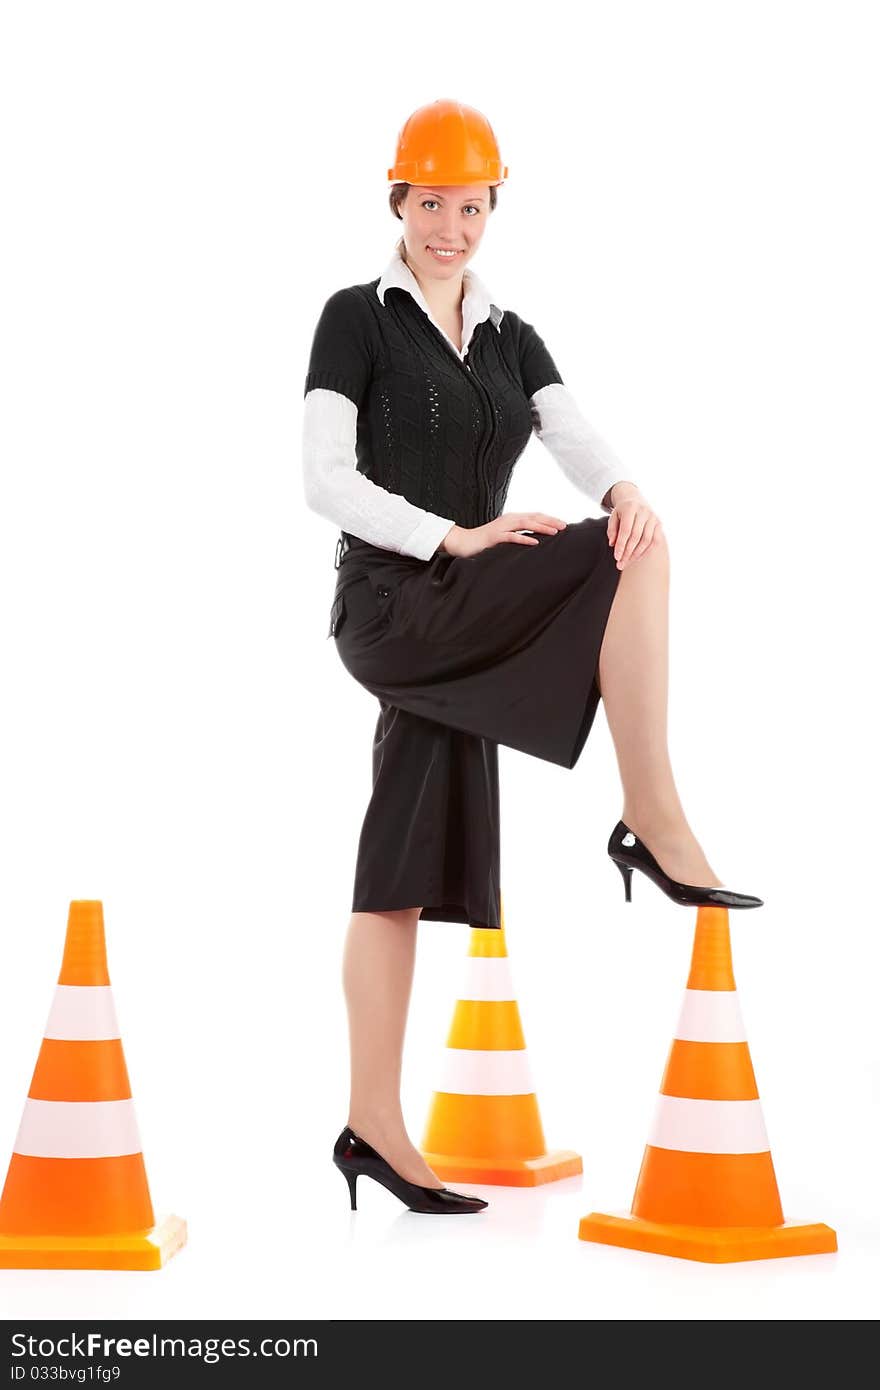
(476, 305)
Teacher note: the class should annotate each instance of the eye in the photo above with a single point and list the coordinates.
(426, 201)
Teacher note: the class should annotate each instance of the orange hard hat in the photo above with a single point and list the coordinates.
(447, 143)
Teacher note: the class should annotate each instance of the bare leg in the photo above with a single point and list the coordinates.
(377, 973)
(634, 679)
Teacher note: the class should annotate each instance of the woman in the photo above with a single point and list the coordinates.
(421, 394)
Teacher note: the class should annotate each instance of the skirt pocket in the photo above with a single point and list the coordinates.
(359, 601)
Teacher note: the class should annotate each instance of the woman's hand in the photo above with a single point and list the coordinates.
(632, 526)
(470, 540)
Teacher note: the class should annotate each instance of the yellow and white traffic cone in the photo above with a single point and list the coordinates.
(484, 1125)
(707, 1189)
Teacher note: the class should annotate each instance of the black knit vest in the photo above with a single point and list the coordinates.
(443, 433)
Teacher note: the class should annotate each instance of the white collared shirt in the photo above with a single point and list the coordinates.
(476, 301)
(338, 491)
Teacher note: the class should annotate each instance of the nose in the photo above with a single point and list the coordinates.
(449, 234)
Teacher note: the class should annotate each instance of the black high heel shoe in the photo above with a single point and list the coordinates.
(629, 852)
(353, 1156)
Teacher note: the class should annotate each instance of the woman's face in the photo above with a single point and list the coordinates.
(452, 217)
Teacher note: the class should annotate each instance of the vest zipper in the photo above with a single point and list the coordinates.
(484, 452)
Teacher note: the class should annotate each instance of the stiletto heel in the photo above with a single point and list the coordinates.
(351, 1179)
(353, 1156)
(628, 852)
(626, 873)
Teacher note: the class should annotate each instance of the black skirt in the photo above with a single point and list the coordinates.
(463, 654)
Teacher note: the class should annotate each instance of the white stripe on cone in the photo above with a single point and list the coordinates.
(468, 1072)
(82, 1013)
(488, 978)
(710, 1015)
(709, 1126)
(78, 1129)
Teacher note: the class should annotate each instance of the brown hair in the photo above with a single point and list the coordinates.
(398, 191)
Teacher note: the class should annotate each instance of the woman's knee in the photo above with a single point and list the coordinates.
(659, 546)
(656, 557)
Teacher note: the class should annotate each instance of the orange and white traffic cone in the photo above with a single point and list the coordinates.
(76, 1194)
(707, 1188)
(484, 1125)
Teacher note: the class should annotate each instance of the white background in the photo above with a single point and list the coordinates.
(691, 222)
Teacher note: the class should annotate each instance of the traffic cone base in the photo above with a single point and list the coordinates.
(711, 1244)
(511, 1172)
(139, 1250)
